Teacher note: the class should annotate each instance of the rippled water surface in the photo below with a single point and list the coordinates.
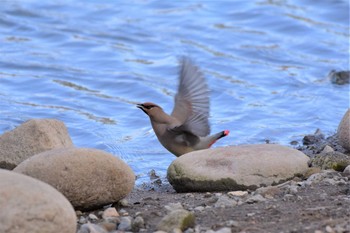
(88, 62)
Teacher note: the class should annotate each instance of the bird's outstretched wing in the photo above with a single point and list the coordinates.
(192, 100)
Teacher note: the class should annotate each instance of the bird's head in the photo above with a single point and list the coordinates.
(154, 111)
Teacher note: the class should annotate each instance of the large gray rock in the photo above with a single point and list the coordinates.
(89, 178)
(344, 131)
(31, 206)
(236, 168)
(30, 138)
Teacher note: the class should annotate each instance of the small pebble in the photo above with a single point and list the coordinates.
(78, 213)
(347, 170)
(232, 223)
(329, 229)
(123, 212)
(125, 223)
(137, 224)
(93, 217)
(250, 214)
(110, 212)
(255, 199)
(238, 193)
(207, 195)
(176, 230)
(138, 214)
(91, 228)
(189, 195)
(327, 149)
(108, 226)
(288, 197)
(173, 206)
(82, 220)
(199, 208)
(292, 189)
(123, 203)
(225, 201)
(189, 230)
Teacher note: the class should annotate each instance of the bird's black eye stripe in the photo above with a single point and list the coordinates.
(149, 106)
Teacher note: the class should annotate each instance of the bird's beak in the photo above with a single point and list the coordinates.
(140, 106)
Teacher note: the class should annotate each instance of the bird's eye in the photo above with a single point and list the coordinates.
(149, 106)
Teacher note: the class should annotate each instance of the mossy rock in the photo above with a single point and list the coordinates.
(331, 160)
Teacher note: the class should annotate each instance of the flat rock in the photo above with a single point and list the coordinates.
(89, 178)
(31, 206)
(236, 168)
(344, 131)
(30, 138)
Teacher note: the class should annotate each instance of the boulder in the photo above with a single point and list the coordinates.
(31, 206)
(30, 138)
(236, 168)
(89, 178)
(344, 131)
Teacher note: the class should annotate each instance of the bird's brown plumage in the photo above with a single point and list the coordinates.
(187, 128)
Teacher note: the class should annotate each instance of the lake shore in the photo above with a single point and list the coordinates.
(317, 203)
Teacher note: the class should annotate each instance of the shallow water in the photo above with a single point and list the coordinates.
(88, 62)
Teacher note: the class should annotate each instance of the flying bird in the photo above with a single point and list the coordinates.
(187, 128)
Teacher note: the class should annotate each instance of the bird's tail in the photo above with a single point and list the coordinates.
(217, 136)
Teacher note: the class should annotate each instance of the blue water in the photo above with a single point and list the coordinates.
(88, 62)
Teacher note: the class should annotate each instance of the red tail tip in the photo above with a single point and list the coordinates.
(226, 132)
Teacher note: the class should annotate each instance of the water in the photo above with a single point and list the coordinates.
(88, 62)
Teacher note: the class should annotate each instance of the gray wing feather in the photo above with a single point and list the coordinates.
(192, 100)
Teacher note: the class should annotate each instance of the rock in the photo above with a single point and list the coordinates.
(311, 171)
(322, 176)
(173, 206)
(89, 178)
(138, 224)
(313, 138)
(339, 77)
(222, 230)
(30, 138)
(225, 201)
(110, 215)
(256, 198)
(331, 160)
(108, 226)
(344, 131)
(327, 149)
(125, 223)
(237, 193)
(199, 208)
(236, 168)
(180, 219)
(347, 170)
(91, 228)
(269, 192)
(82, 220)
(93, 217)
(31, 206)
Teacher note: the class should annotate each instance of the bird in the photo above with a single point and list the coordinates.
(187, 128)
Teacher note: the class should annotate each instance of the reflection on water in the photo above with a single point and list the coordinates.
(89, 63)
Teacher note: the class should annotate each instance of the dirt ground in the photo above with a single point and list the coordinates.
(322, 207)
